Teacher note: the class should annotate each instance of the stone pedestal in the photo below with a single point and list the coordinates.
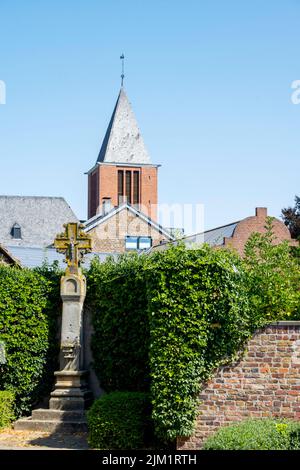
(70, 391)
(70, 396)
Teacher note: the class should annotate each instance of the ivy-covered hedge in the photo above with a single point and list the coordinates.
(6, 408)
(166, 319)
(28, 321)
(119, 420)
(120, 344)
(199, 318)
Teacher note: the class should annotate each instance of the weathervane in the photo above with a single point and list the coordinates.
(122, 57)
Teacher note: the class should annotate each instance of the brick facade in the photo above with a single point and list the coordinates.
(257, 223)
(264, 383)
(109, 236)
(103, 183)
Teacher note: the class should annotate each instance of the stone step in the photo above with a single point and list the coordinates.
(57, 415)
(50, 426)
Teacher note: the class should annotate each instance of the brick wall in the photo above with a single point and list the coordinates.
(149, 191)
(109, 236)
(257, 223)
(103, 183)
(264, 383)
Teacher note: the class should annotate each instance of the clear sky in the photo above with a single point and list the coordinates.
(209, 81)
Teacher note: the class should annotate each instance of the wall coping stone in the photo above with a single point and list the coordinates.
(285, 323)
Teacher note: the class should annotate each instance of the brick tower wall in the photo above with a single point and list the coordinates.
(103, 183)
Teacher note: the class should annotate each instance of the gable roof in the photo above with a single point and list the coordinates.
(7, 257)
(100, 218)
(40, 219)
(123, 142)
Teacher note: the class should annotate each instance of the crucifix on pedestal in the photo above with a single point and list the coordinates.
(70, 396)
(70, 390)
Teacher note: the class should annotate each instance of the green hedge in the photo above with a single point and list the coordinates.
(266, 434)
(6, 408)
(273, 278)
(28, 323)
(119, 420)
(199, 318)
(170, 317)
(117, 297)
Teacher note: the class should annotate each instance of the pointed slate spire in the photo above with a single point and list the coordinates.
(123, 142)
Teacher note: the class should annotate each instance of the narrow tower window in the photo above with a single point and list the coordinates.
(136, 187)
(120, 186)
(128, 186)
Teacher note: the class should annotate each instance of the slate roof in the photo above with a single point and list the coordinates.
(123, 142)
(40, 219)
(31, 257)
(214, 237)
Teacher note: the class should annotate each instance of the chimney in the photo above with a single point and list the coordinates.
(261, 212)
(106, 205)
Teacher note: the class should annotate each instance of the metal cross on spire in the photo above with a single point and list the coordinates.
(122, 57)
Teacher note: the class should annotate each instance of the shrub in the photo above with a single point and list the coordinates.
(273, 278)
(266, 434)
(118, 301)
(199, 318)
(6, 408)
(27, 324)
(170, 318)
(119, 420)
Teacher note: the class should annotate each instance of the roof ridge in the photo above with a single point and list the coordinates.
(27, 197)
(105, 142)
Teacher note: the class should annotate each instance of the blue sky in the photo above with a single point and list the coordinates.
(209, 81)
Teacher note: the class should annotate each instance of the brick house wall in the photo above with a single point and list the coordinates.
(257, 223)
(109, 236)
(264, 383)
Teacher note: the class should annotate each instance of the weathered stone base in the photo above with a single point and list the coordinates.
(70, 392)
(67, 405)
(57, 423)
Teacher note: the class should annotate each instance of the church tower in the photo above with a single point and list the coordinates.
(123, 172)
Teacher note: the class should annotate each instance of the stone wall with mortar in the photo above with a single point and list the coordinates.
(109, 236)
(264, 383)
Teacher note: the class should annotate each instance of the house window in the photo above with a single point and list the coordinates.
(16, 231)
(120, 186)
(136, 187)
(145, 243)
(138, 243)
(128, 187)
(131, 243)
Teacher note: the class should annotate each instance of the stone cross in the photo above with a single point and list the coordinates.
(74, 243)
(70, 391)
